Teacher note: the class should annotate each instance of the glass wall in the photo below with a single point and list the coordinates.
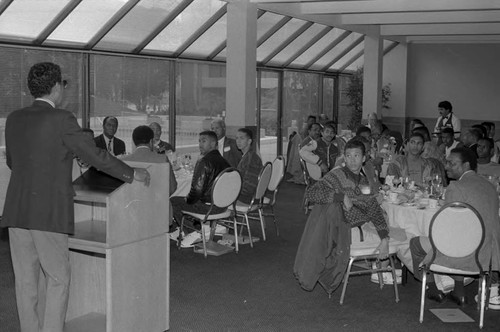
(200, 98)
(135, 90)
(269, 115)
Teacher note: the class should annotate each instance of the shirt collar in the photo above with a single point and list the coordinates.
(466, 172)
(50, 102)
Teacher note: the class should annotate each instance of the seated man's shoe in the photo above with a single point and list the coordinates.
(461, 300)
(438, 296)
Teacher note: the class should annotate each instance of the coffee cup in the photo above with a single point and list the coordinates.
(433, 203)
(393, 197)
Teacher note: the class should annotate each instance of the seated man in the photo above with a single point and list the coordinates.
(159, 146)
(344, 184)
(206, 170)
(313, 133)
(485, 166)
(470, 137)
(449, 142)
(107, 140)
(143, 140)
(322, 152)
(249, 166)
(480, 194)
(412, 164)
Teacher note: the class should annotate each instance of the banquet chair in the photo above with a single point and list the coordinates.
(311, 175)
(456, 234)
(278, 171)
(361, 250)
(254, 209)
(224, 193)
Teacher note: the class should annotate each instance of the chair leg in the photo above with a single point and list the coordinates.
(394, 278)
(179, 237)
(235, 233)
(483, 301)
(380, 275)
(275, 221)
(404, 276)
(346, 279)
(249, 232)
(261, 217)
(204, 240)
(422, 297)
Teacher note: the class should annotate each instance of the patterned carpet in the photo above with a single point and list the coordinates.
(255, 290)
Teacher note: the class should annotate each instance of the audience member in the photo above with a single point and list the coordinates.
(40, 143)
(365, 132)
(159, 146)
(479, 193)
(313, 133)
(322, 152)
(143, 137)
(484, 151)
(338, 141)
(249, 166)
(226, 146)
(470, 138)
(107, 140)
(447, 119)
(323, 119)
(206, 170)
(415, 123)
(449, 142)
(431, 149)
(370, 169)
(482, 129)
(412, 165)
(490, 129)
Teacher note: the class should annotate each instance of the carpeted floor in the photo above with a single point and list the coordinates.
(255, 290)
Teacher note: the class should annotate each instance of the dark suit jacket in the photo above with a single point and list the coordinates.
(118, 144)
(40, 144)
(231, 152)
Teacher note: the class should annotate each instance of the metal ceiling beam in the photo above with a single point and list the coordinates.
(111, 24)
(286, 42)
(440, 29)
(344, 52)
(273, 30)
(327, 49)
(223, 45)
(201, 30)
(170, 17)
(310, 43)
(4, 5)
(63, 14)
(351, 61)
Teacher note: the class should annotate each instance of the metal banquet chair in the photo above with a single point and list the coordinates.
(278, 172)
(456, 233)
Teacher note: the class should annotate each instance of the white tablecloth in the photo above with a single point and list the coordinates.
(184, 179)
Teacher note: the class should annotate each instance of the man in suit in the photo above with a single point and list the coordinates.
(475, 190)
(107, 139)
(41, 141)
(159, 146)
(226, 146)
(143, 140)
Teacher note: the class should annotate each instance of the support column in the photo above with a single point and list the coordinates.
(372, 74)
(241, 65)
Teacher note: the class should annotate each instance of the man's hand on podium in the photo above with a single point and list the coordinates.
(142, 175)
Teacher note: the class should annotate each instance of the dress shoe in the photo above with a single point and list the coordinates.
(439, 296)
(461, 300)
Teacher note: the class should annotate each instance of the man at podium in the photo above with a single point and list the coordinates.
(41, 141)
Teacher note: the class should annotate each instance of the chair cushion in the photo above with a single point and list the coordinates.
(201, 216)
(443, 269)
(243, 208)
(368, 248)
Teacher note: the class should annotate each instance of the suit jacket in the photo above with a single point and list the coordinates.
(480, 194)
(231, 152)
(144, 154)
(40, 144)
(118, 144)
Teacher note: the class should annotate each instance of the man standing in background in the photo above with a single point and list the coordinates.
(226, 146)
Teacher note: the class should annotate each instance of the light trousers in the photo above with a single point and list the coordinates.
(34, 252)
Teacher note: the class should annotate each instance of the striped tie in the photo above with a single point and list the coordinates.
(110, 147)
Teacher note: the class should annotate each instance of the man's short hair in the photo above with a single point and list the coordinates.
(448, 130)
(355, 144)
(424, 131)
(466, 155)
(482, 129)
(446, 105)
(211, 134)
(88, 130)
(222, 123)
(363, 129)
(491, 143)
(329, 125)
(489, 125)
(247, 132)
(416, 134)
(109, 117)
(313, 124)
(42, 77)
(142, 135)
(476, 133)
(311, 117)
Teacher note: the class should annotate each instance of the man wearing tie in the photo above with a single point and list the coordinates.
(107, 139)
(226, 146)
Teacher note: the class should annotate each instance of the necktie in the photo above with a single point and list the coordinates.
(110, 147)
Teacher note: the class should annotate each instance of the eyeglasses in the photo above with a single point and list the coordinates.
(64, 84)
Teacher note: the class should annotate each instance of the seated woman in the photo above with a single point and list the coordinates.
(344, 185)
(249, 166)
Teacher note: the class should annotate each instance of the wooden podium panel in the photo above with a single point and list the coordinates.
(120, 253)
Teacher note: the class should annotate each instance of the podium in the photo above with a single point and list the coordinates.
(120, 253)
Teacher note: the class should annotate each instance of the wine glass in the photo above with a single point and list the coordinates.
(406, 182)
(436, 180)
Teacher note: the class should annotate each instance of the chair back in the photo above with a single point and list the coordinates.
(314, 171)
(307, 178)
(277, 173)
(263, 182)
(457, 231)
(226, 187)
